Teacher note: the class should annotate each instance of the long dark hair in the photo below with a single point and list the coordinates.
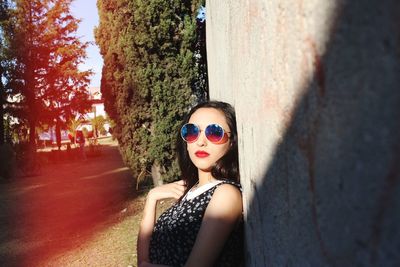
(226, 167)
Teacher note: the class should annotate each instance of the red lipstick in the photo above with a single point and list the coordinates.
(201, 154)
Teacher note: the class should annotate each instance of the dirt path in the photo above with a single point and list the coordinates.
(81, 213)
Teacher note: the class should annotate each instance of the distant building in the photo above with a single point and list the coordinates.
(96, 111)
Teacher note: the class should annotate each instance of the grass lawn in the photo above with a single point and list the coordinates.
(74, 213)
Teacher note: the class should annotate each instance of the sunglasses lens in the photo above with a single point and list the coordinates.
(190, 132)
(214, 133)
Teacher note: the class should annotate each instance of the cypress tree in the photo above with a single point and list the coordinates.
(148, 77)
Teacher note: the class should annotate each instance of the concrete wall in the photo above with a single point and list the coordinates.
(316, 86)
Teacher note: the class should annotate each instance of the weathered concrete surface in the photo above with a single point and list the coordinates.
(316, 86)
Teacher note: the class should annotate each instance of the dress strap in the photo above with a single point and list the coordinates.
(200, 190)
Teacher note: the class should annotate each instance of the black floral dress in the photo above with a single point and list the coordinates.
(176, 230)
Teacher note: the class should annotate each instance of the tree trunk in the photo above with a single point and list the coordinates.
(32, 134)
(2, 100)
(58, 133)
(156, 174)
(1, 121)
(31, 102)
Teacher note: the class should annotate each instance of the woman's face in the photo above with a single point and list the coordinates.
(203, 152)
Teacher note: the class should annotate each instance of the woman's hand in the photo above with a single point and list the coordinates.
(172, 190)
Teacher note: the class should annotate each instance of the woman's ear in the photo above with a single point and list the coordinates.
(231, 143)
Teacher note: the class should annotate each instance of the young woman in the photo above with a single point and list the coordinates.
(205, 226)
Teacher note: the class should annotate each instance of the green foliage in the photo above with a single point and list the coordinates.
(72, 125)
(148, 76)
(5, 67)
(98, 125)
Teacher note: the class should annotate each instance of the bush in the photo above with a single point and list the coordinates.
(7, 161)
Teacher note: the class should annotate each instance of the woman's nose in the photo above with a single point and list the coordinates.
(202, 140)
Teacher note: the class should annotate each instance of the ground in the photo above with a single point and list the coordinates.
(75, 213)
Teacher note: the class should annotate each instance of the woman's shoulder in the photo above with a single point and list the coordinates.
(226, 201)
(228, 189)
(226, 182)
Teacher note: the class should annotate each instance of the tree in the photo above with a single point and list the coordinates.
(66, 93)
(98, 123)
(72, 125)
(48, 54)
(148, 77)
(5, 64)
(125, 105)
(3, 96)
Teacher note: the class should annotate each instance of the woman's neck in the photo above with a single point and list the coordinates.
(205, 177)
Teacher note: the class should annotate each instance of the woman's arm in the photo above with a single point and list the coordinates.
(222, 214)
(172, 190)
(146, 229)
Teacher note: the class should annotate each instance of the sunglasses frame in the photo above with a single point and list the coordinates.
(198, 127)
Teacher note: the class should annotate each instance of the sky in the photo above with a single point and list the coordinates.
(86, 10)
